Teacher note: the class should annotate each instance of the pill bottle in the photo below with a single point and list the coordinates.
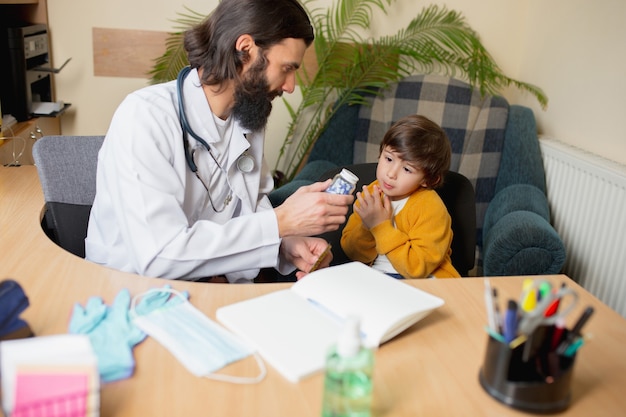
(343, 183)
(348, 375)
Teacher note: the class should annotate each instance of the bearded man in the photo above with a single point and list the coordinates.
(181, 182)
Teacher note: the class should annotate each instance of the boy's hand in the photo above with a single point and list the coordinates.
(374, 208)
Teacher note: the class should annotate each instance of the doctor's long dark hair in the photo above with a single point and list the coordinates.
(211, 44)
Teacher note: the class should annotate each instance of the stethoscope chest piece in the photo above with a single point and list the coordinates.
(245, 163)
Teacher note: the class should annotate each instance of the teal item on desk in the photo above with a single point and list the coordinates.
(196, 341)
(111, 332)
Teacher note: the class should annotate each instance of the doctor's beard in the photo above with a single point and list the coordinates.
(253, 98)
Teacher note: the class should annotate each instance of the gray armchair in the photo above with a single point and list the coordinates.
(494, 145)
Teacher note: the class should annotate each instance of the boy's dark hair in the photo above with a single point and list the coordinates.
(421, 142)
(210, 45)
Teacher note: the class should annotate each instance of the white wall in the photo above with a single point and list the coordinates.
(576, 50)
(573, 49)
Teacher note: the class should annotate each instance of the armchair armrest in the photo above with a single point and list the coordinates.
(517, 236)
(311, 173)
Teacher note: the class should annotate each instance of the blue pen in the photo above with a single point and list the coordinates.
(510, 321)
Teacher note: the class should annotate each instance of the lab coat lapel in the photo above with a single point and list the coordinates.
(244, 185)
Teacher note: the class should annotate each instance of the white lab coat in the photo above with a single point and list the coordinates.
(151, 215)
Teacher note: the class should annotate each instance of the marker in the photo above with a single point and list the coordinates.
(573, 348)
(544, 290)
(510, 321)
(530, 299)
(554, 306)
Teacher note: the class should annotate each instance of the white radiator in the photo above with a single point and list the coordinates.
(587, 198)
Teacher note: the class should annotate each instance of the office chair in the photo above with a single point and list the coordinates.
(67, 171)
(457, 194)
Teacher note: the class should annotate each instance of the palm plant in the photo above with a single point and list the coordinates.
(168, 65)
(351, 67)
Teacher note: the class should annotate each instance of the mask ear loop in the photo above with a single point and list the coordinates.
(215, 376)
(242, 379)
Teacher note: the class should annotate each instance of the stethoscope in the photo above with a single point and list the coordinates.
(245, 163)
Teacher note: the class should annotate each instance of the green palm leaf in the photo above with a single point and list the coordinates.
(350, 68)
(168, 65)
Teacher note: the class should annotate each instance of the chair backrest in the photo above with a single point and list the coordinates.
(67, 171)
(457, 194)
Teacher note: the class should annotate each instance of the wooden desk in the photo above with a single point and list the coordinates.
(431, 369)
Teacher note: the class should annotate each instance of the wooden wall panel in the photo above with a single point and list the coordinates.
(126, 52)
(131, 53)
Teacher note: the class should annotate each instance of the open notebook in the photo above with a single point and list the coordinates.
(293, 328)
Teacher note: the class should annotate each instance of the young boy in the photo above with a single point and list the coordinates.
(400, 225)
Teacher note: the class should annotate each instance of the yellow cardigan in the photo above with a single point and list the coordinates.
(419, 245)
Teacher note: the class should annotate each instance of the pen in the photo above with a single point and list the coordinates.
(582, 320)
(489, 304)
(510, 321)
(575, 332)
(496, 311)
(317, 263)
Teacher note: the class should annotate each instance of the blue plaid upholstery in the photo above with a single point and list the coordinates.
(490, 140)
(474, 124)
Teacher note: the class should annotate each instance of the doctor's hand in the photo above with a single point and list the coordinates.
(303, 252)
(311, 211)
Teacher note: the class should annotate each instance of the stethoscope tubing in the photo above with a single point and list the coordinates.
(245, 163)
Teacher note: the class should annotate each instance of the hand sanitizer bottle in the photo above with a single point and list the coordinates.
(348, 379)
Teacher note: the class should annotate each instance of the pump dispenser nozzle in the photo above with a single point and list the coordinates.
(349, 340)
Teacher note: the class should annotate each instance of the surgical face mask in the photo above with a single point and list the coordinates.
(199, 343)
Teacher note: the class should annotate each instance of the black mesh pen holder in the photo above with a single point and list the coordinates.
(539, 382)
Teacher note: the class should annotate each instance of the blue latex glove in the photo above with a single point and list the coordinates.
(111, 331)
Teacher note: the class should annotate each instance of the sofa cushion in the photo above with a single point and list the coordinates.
(516, 197)
(475, 125)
